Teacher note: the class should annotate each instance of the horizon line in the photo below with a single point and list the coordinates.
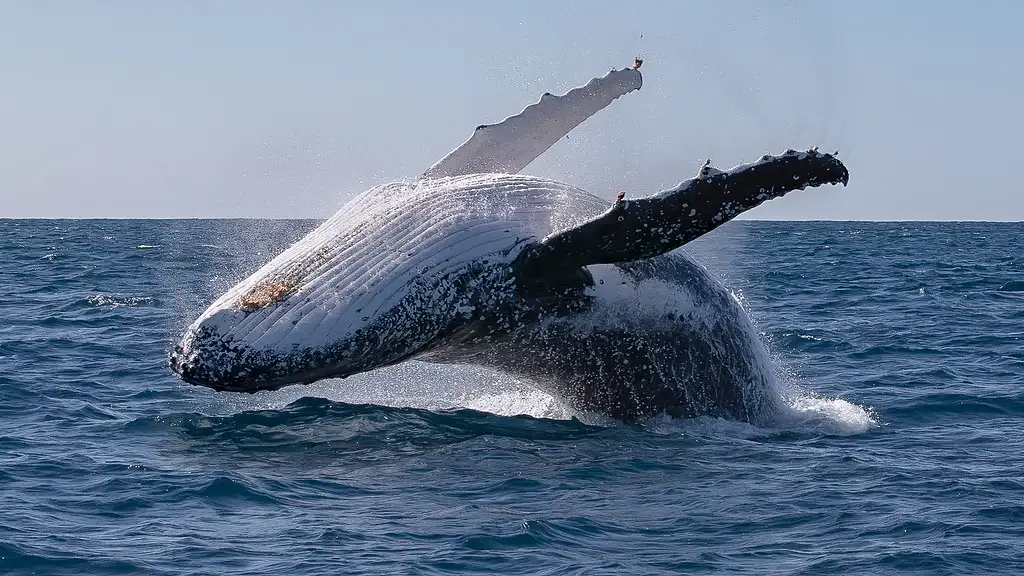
(283, 219)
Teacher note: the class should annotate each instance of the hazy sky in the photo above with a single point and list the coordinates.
(285, 109)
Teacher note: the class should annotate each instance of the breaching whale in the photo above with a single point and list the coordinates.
(473, 263)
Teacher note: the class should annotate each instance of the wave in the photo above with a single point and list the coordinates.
(311, 422)
(814, 413)
(106, 300)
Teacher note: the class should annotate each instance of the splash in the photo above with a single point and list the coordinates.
(803, 415)
(439, 387)
(522, 401)
(415, 385)
(113, 301)
(793, 408)
(813, 413)
(801, 410)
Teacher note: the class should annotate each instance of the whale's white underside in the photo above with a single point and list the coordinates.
(366, 259)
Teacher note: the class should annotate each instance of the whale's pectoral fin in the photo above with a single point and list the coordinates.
(647, 227)
(508, 146)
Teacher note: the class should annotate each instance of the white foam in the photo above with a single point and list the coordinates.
(440, 387)
(416, 385)
(621, 302)
(117, 301)
(802, 410)
(520, 402)
(820, 414)
(804, 414)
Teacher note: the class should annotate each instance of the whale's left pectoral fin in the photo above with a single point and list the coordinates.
(508, 146)
(647, 227)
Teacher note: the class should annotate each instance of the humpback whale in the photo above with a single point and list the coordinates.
(474, 263)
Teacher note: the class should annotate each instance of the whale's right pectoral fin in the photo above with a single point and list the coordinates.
(508, 146)
(647, 227)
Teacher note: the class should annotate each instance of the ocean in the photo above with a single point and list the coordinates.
(899, 349)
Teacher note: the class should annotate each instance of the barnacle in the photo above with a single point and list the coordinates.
(284, 283)
(266, 292)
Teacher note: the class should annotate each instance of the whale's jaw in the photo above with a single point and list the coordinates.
(206, 357)
(216, 353)
(209, 356)
(212, 363)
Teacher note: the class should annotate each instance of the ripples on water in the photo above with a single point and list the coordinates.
(900, 346)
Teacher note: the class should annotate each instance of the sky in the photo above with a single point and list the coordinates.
(160, 109)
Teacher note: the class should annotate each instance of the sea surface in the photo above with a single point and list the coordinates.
(899, 349)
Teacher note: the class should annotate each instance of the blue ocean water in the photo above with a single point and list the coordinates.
(901, 346)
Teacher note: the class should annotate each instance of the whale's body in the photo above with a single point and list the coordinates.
(658, 336)
(522, 274)
(422, 271)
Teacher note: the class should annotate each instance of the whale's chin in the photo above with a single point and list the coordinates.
(231, 372)
(210, 356)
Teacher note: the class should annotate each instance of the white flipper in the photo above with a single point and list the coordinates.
(508, 146)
